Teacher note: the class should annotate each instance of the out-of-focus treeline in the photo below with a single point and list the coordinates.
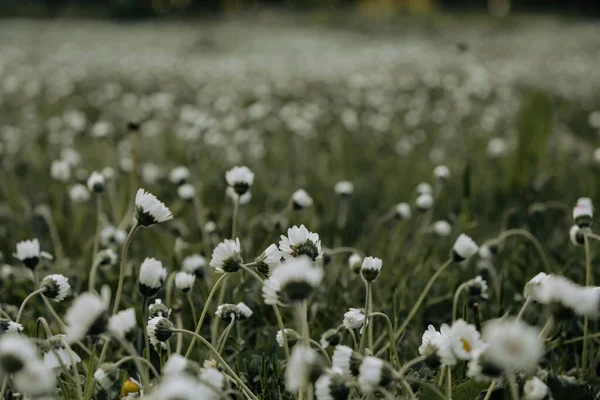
(148, 8)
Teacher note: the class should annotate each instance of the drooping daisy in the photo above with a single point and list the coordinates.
(355, 262)
(304, 368)
(184, 282)
(28, 252)
(122, 323)
(107, 257)
(16, 352)
(477, 289)
(402, 211)
(149, 210)
(194, 264)
(332, 385)
(35, 380)
(9, 327)
(347, 360)
(152, 276)
(513, 345)
(292, 282)
(87, 316)
(374, 374)
(227, 256)
(176, 365)
(464, 248)
(370, 269)
(429, 339)
(56, 287)
(300, 241)
(344, 188)
(431, 343)
(57, 354)
(535, 389)
(301, 200)
(240, 178)
(442, 228)
(182, 388)
(354, 318)
(96, 182)
(159, 330)
(213, 378)
(179, 175)
(480, 368)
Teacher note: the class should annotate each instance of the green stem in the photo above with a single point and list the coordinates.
(364, 332)
(98, 224)
(449, 383)
(4, 386)
(220, 360)
(22, 308)
(410, 363)
(215, 322)
(76, 376)
(390, 333)
(224, 337)
(234, 223)
(344, 249)
(523, 308)
(490, 390)
(586, 322)
(134, 228)
(204, 311)
(514, 388)
(522, 232)
(192, 307)
(318, 346)
(455, 299)
(286, 347)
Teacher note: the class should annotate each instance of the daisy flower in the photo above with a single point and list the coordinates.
(535, 389)
(354, 319)
(464, 248)
(194, 264)
(291, 336)
(159, 330)
(158, 309)
(227, 256)
(442, 228)
(15, 353)
(122, 323)
(441, 173)
(373, 374)
(303, 368)
(301, 200)
(300, 241)
(332, 386)
(424, 202)
(461, 340)
(370, 269)
(355, 262)
(184, 282)
(237, 312)
(240, 179)
(56, 287)
(186, 192)
(35, 380)
(57, 354)
(347, 360)
(9, 327)
(28, 252)
(344, 188)
(87, 316)
(242, 200)
(292, 282)
(96, 182)
(268, 260)
(179, 175)
(424, 188)
(402, 211)
(152, 276)
(78, 193)
(149, 210)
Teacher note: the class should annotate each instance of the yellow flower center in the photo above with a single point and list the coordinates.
(129, 387)
(465, 345)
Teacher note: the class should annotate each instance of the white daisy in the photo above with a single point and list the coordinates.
(15, 353)
(158, 309)
(577, 235)
(58, 355)
(96, 182)
(56, 287)
(332, 386)
(513, 345)
(424, 188)
(373, 374)
(344, 188)
(442, 228)
(461, 340)
(291, 336)
(179, 175)
(106, 376)
(304, 364)
(182, 388)
(429, 339)
(540, 288)
(227, 256)
(240, 178)
(213, 378)
(184, 282)
(9, 327)
(175, 365)
(110, 236)
(268, 260)
(149, 210)
(347, 360)
(152, 276)
(354, 319)
(28, 252)
(370, 269)
(355, 262)
(186, 192)
(159, 330)
(403, 211)
(441, 173)
(300, 241)
(194, 264)
(464, 248)
(243, 199)
(122, 323)
(78, 193)
(292, 282)
(424, 201)
(535, 389)
(86, 316)
(35, 380)
(583, 213)
(301, 200)
(60, 171)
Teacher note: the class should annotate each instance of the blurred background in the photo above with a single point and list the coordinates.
(194, 8)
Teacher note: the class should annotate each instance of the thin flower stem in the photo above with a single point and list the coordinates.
(522, 232)
(593, 235)
(490, 390)
(76, 376)
(546, 328)
(134, 228)
(418, 303)
(179, 325)
(192, 307)
(4, 386)
(455, 299)
(286, 347)
(224, 337)
(246, 267)
(221, 361)
(46, 214)
(423, 383)
(22, 308)
(353, 336)
(580, 338)
(93, 273)
(144, 374)
(204, 311)
(345, 249)
(523, 308)
(98, 224)
(318, 346)
(364, 333)
(390, 333)
(146, 318)
(449, 383)
(44, 323)
(215, 322)
(409, 364)
(586, 322)
(89, 386)
(169, 288)
(234, 222)
(201, 222)
(514, 388)
(408, 389)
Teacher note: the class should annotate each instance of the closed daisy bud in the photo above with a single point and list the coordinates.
(304, 368)
(122, 323)
(344, 188)
(424, 202)
(442, 228)
(582, 215)
(269, 259)
(300, 241)
(15, 353)
(9, 327)
(464, 248)
(347, 360)
(301, 200)
(107, 257)
(355, 262)
(184, 282)
(332, 386)
(370, 269)
(577, 235)
(28, 252)
(240, 179)
(152, 276)
(96, 182)
(330, 337)
(87, 316)
(179, 175)
(60, 171)
(512, 345)
(158, 309)
(186, 192)
(106, 376)
(227, 256)
(402, 211)
(354, 319)
(424, 188)
(159, 329)
(292, 282)
(441, 173)
(291, 336)
(57, 354)
(535, 389)
(194, 264)
(56, 287)
(374, 374)
(78, 193)
(35, 380)
(149, 210)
